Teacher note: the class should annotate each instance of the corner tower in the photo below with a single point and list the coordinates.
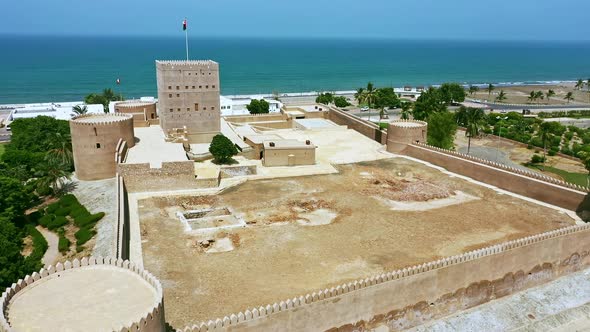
(188, 95)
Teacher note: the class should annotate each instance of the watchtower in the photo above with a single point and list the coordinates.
(401, 133)
(94, 141)
(188, 96)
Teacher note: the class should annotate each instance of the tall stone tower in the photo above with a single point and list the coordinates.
(188, 95)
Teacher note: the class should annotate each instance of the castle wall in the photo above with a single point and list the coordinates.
(364, 127)
(142, 112)
(529, 184)
(409, 297)
(94, 143)
(176, 175)
(188, 95)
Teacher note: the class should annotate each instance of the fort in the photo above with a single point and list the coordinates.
(325, 222)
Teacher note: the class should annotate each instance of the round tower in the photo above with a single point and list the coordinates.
(401, 133)
(93, 294)
(142, 111)
(94, 141)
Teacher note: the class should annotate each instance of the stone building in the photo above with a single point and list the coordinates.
(188, 96)
(401, 133)
(94, 143)
(288, 152)
(142, 111)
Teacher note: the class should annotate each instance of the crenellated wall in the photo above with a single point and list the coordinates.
(529, 184)
(152, 321)
(411, 296)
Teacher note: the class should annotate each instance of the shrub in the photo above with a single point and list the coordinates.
(569, 135)
(536, 159)
(68, 200)
(44, 191)
(83, 235)
(63, 211)
(552, 152)
(341, 101)
(51, 208)
(39, 243)
(34, 217)
(88, 221)
(79, 248)
(58, 222)
(46, 219)
(79, 212)
(63, 244)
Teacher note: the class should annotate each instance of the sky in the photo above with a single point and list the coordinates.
(407, 19)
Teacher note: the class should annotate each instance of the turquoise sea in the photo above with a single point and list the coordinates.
(42, 69)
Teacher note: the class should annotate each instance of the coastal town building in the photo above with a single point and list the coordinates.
(288, 152)
(60, 111)
(188, 96)
(236, 105)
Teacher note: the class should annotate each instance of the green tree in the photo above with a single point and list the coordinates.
(359, 96)
(258, 106)
(63, 153)
(579, 84)
(341, 101)
(569, 97)
(429, 102)
(452, 93)
(550, 93)
(501, 96)
(539, 95)
(473, 89)
(546, 134)
(222, 149)
(472, 119)
(79, 110)
(15, 198)
(406, 110)
(369, 94)
(53, 175)
(490, 88)
(386, 98)
(325, 98)
(442, 129)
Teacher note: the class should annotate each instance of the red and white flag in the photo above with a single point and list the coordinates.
(184, 25)
(118, 81)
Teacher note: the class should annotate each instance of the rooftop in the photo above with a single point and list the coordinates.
(287, 144)
(153, 149)
(100, 118)
(408, 124)
(259, 139)
(92, 298)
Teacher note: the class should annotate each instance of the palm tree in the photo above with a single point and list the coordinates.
(501, 96)
(539, 95)
(549, 94)
(473, 89)
(406, 110)
(569, 97)
(580, 84)
(490, 88)
(473, 120)
(109, 94)
(532, 96)
(370, 94)
(545, 136)
(359, 96)
(53, 175)
(79, 110)
(63, 153)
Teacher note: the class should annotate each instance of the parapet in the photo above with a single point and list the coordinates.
(401, 133)
(175, 64)
(100, 119)
(135, 103)
(408, 124)
(91, 294)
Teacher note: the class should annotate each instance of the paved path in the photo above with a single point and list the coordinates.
(52, 250)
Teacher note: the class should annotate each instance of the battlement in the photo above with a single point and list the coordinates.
(408, 124)
(135, 103)
(136, 305)
(511, 169)
(361, 285)
(191, 64)
(100, 119)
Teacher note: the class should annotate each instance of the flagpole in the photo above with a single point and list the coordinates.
(186, 38)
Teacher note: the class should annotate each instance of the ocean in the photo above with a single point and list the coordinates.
(45, 69)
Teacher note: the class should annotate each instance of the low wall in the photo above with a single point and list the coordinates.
(176, 175)
(367, 128)
(122, 227)
(529, 184)
(255, 118)
(412, 296)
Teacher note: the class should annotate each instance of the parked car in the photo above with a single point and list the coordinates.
(364, 108)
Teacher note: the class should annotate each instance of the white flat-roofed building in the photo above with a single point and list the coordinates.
(60, 111)
(237, 105)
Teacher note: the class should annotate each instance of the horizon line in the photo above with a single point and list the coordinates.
(367, 38)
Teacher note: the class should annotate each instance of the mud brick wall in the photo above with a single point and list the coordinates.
(171, 176)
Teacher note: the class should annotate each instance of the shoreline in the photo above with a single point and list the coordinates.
(532, 84)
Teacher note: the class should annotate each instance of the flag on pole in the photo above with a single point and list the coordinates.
(184, 25)
(118, 81)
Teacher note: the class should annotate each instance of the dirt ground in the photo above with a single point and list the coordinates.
(516, 153)
(519, 94)
(309, 233)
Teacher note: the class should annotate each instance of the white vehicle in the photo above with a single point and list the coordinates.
(364, 108)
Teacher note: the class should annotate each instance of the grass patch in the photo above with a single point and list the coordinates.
(575, 178)
(39, 244)
(2, 148)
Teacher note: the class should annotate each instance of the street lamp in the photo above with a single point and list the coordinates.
(499, 137)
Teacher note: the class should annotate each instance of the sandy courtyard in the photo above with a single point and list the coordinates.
(309, 233)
